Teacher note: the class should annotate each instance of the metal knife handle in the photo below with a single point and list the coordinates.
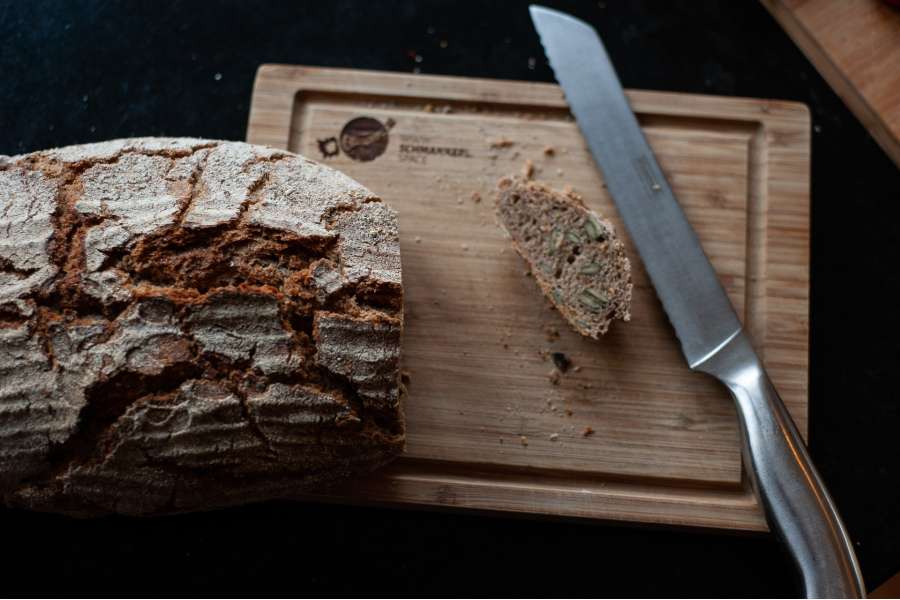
(795, 500)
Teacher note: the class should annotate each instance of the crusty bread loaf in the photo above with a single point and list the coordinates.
(187, 324)
(574, 254)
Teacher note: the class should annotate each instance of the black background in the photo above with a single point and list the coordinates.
(74, 72)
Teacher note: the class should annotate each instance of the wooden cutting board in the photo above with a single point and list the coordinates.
(487, 429)
(855, 45)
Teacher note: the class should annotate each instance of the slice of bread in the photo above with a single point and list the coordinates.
(573, 253)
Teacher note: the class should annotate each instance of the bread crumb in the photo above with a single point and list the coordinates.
(428, 107)
(588, 431)
(554, 377)
(549, 150)
(465, 247)
(476, 197)
(576, 368)
(528, 169)
(554, 437)
(559, 172)
(552, 333)
(418, 239)
(459, 200)
(569, 412)
(501, 143)
(561, 361)
(523, 440)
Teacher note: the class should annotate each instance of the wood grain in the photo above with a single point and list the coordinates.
(481, 409)
(855, 45)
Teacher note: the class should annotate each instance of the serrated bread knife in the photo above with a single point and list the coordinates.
(713, 341)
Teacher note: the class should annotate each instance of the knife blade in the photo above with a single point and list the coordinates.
(795, 500)
(682, 275)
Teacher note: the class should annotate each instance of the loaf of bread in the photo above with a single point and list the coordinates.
(186, 324)
(573, 253)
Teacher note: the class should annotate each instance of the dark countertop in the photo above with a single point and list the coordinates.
(88, 71)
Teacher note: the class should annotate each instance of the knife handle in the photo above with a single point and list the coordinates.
(793, 496)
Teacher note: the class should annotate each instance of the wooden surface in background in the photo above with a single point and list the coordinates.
(855, 45)
(487, 430)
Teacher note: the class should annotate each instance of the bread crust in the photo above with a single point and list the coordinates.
(167, 318)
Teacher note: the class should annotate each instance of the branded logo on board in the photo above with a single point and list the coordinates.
(362, 139)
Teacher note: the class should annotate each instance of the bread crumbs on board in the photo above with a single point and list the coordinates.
(528, 169)
(549, 150)
(587, 432)
(551, 333)
(501, 143)
(561, 361)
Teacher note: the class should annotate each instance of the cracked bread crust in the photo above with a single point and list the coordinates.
(574, 254)
(187, 324)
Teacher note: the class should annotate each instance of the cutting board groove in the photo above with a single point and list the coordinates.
(487, 430)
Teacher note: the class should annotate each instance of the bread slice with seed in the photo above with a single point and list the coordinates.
(574, 254)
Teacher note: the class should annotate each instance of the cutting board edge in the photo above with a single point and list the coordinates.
(879, 128)
(423, 485)
(285, 78)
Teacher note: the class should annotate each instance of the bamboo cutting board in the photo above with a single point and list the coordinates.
(855, 45)
(487, 428)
